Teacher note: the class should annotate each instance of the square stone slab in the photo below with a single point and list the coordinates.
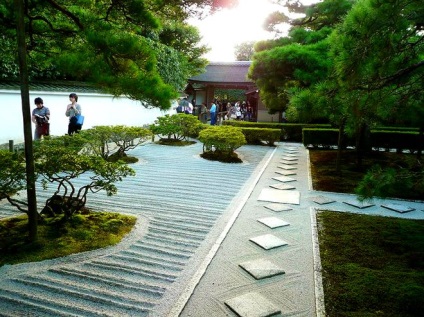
(287, 167)
(268, 241)
(273, 222)
(252, 305)
(278, 207)
(289, 158)
(358, 204)
(284, 179)
(290, 154)
(322, 200)
(280, 196)
(286, 173)
(288, 162)
(398, 208)
(282, 186)
(261, 268)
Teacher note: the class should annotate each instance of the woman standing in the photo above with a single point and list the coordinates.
(73, 110)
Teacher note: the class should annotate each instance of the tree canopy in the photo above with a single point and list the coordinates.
(143, 49)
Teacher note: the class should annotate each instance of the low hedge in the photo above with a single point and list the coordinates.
(399, 140)
(291, 132)
(259, 135)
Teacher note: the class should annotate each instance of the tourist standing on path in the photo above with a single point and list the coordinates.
(73, 110)
(203, 116)
(212, 111)
(41, 117)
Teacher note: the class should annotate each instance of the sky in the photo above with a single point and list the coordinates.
(223, 30)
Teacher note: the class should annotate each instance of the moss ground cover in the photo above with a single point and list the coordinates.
(372, 266)
(323, 165)
(84, 232)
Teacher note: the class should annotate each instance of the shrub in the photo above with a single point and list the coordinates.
(223, 139)
(177, 126)
(108, 141)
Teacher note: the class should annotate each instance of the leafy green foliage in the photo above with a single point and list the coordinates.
(223, 139)
(106, 141)
(177, 126)
(60, 161)
(142, 49)
(257, 135)
(12, 177)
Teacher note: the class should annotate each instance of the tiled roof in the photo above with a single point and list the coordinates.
(51, 86)
(224, 72)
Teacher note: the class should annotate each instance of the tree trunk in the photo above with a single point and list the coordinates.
(420, 143)
(340, 146)
(26, 115)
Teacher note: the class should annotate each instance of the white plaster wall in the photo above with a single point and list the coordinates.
(98, 109)
(264, 116)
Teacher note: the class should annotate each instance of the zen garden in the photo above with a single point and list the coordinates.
(348, 77)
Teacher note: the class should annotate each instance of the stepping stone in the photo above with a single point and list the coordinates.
(282, 186)
(322, 200)
(286, 173)
(358, 204)
(252, 305)
(287, 168)
(398, 208)
(284, 179)
(261, 268)
(288, 162)
(273, 222)
(268, 241)
(291, 155)
(288, 158)
(278, 207)
(280, 196)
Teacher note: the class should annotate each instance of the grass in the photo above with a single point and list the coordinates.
(84, 232)
(372, 265)
(323, 165)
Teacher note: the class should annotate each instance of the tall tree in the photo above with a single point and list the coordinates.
(244, 51)
(115, 45)
(298, 60)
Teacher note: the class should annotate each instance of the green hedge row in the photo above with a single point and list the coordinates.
(399, 140)
(257, 135)
(288, 131)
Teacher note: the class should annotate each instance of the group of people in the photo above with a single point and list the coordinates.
(41, 117)
(225, 111)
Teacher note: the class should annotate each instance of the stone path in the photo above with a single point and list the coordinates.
(212, 239)
(268, 264)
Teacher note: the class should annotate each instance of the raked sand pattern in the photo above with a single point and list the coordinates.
(182, 202)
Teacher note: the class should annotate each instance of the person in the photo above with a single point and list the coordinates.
(72, 111)
(212, 111)
(203, 116)
(181, 105)
(188, 108)
(232, 112)
(249, 112)
(41, 117)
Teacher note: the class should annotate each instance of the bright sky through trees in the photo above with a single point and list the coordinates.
(225, 29)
